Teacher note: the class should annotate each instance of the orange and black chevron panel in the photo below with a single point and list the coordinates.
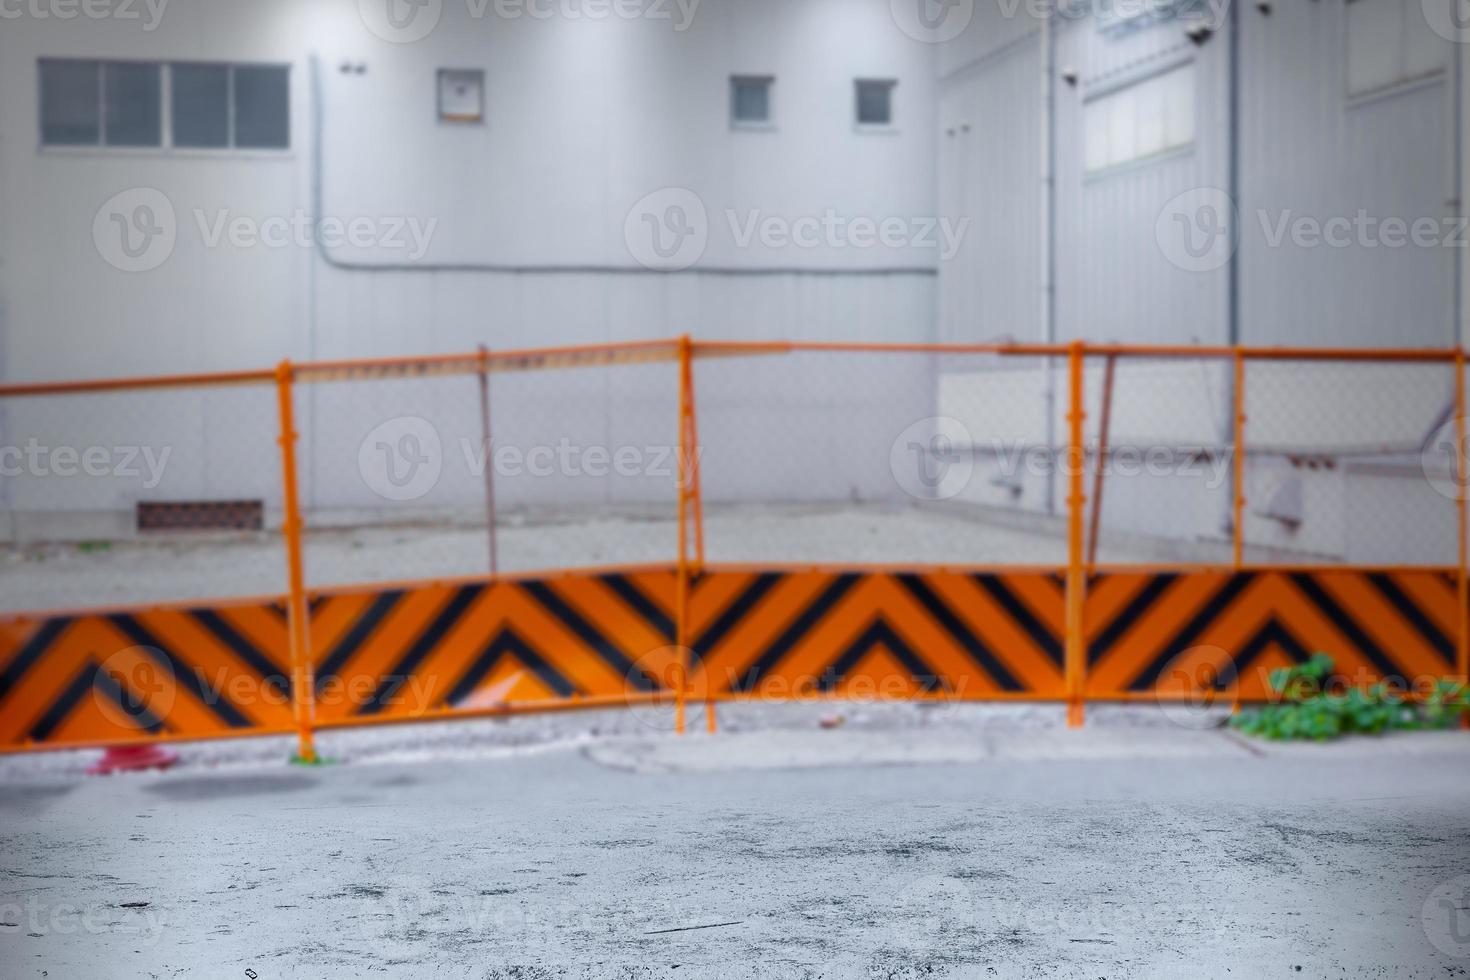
(444, 647)
(779, 634)
(407, 651)
(121, 675)
(385, 653)
(1235, 628)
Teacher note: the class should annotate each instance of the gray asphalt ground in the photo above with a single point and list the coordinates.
(899, 845)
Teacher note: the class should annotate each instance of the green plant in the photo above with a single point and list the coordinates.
(1307, 709)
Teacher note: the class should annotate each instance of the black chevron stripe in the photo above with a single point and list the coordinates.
(601, 645)
(509, 642)
(880, 633)
(982, 655)
(1185, 638)
(1272, 632)
(269, 673)
(183, 675)
(1436, 639)
(1045, 640)
(793, 634)
(1345, 623)
(1104, 642)
(735, 613)
(88, 679)
(430, 638)
(642, 604)
(366, 624)
(875, 635)
(34, 649)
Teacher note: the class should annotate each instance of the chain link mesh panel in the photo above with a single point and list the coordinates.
(1158, 441)
(1350, 462)
(139, 496)
(882, 458)
(400, 476)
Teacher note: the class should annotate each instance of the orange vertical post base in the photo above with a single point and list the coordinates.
(1075, 661)
(302, 682)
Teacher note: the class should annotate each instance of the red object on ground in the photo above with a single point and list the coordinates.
(133, 758)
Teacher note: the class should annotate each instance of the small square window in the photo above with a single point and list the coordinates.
(201, 106)
(461, 95)
(262, 107)
(875, 102)
(750, 100)
(71, 110)
(132, 104)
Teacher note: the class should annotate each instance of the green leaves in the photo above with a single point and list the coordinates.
(1310, 710)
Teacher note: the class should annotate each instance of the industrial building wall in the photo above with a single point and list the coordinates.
(583, 118)
(1142, 254)
(990, 172)
(527, 220)
(1311, 148)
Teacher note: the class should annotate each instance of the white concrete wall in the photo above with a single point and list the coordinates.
(584, 118)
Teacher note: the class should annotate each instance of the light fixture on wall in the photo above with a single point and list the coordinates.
(1264, 6)
(351, 68)
(1199, 35)
(1070, 76)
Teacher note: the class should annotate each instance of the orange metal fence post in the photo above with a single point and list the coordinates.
(1238, 522)
(1104, 432)
(681, 597)
(689, 435)
(489, 458)
(696, 486)
(1076, 649)
(1462, 473)
(302, 693)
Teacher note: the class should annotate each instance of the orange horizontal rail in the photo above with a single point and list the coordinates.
(548, 358)
(315, 592)
(1430, 355)
(536, 358)
(104, 385)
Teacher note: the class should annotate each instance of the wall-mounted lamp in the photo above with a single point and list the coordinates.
(1200, 35)
(1070, 76)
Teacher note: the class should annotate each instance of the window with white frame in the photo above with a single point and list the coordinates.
(1152, 116)
(750, 100)
(1390, 42)
(186, 105)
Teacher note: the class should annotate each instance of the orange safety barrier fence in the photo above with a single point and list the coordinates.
(1279, 502)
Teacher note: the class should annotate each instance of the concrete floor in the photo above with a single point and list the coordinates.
(1004, 851)
(173, 569)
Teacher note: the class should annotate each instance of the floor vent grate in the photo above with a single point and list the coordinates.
(201, 515)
